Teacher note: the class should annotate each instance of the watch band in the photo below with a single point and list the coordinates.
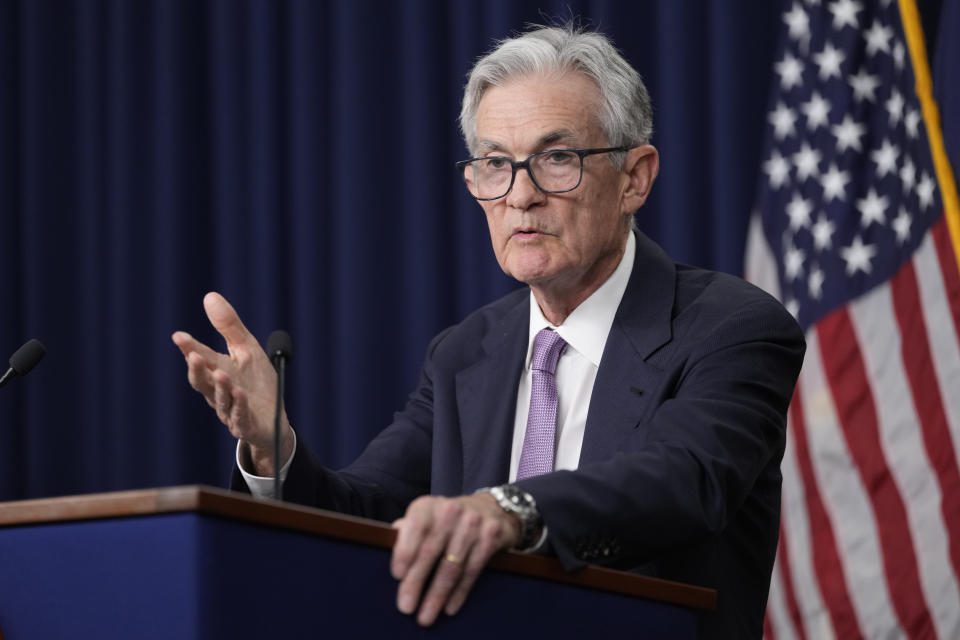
(514, 500)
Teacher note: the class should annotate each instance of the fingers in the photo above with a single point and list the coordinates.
(459, 560)
(213, 383)
(452, 538)
(240, 387)
(222, 396)
(488, 543)
(410, 531)
(201, 361)
(226, 321)
(188, 344)
(200, 375)
(420, 541)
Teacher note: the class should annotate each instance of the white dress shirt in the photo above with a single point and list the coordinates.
(585, 331)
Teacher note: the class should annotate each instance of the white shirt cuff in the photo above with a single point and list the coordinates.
(262, 487)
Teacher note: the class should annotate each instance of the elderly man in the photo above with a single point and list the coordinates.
(622, 410)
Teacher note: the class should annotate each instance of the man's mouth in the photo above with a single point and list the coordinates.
(528, 231)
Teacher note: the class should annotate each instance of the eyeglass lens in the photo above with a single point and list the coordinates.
(552, 171)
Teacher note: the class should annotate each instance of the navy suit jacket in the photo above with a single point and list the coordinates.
(679, 474)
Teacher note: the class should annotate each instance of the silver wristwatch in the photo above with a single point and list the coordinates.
(514, 500)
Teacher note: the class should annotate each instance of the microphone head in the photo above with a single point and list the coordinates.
(26, 357)
(280, 345)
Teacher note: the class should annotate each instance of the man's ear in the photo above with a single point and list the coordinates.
(640, 168)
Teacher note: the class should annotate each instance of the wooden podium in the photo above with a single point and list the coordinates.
(203, 563)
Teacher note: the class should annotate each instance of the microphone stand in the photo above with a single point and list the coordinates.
(281, 363)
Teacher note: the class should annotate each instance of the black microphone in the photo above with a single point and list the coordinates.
(280, 350)
(24, 359)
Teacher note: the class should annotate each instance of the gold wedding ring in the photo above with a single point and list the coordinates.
(452, 559)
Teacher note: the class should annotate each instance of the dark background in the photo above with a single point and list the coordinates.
(297, 157)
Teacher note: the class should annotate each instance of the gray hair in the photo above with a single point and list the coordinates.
(626, 115)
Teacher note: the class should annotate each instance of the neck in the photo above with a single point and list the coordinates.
(558, 300)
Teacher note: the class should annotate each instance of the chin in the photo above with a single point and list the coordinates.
(531, 275)
(528, 263)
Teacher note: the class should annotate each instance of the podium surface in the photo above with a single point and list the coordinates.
(198, 562)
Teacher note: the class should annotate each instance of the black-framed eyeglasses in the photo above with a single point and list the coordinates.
(553, 171)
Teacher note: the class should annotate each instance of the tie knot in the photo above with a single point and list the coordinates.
(547, 347)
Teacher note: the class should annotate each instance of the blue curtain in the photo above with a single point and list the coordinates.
(297, 157)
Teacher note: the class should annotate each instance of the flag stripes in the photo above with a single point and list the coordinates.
(909, 450)
(797, 565)
(949, 272)
(930, 412)
(860, 500)
(848, 507)
(782, 610)
(939, 284)
(789, 593)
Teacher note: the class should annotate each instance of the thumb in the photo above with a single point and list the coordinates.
(225, 320)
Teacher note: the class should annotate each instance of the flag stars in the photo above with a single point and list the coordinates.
(790, 70)
(858, 256)
(894, 107)
(817, 111)
(878, 38)
(845, 13)
(834, 183)
(783, 120)
(886, 158)
(815, 282)
(798, 23)
(807, 161)
(901, 225)
(777, 169)
(925, 191)
(864, 85)
(872, 208)
(848, 134)
(828, 61)
(912, 122)
(908, 175)
(799, 211)
(823, 230)
(793, 263)
(899, 55)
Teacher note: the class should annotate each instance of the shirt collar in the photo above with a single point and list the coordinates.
(586, 329)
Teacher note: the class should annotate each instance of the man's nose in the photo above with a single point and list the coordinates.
(524, 193)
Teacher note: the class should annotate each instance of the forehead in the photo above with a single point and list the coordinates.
(530, 111)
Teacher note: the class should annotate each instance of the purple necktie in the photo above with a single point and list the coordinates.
(537, 455)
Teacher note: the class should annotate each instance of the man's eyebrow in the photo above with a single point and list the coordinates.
(553, 137)
(560, 135)
(489, 145)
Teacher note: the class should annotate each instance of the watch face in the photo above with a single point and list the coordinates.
(516, 495)
(515, 500)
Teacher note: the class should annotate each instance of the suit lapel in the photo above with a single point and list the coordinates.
(623, 393)
(487, 399)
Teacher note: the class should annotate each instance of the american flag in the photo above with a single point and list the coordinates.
(852, 234)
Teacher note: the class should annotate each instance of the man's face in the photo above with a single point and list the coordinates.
(563, 241)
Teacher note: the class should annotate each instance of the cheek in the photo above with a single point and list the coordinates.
(495, 226)
(593, 231)
(604, 209)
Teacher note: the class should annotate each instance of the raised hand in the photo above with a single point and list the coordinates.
(240, 385)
